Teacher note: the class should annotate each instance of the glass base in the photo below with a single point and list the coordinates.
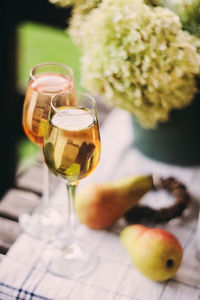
(69, 261)
(43, 224)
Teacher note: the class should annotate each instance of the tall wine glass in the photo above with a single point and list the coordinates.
(46, 80)
(72, 151)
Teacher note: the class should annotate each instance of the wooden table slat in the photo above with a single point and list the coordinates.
(32, 180)
(17, 202)
(9, 231)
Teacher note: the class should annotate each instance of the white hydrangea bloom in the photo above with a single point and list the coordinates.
(187, 10)
(139, 58)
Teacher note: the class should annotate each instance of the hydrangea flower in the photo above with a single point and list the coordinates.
(140, 59)
(136, 56)
(187, 10)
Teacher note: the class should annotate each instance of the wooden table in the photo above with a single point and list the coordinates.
(20, 199)
(118, 159)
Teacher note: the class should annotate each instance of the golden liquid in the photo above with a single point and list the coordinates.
(72, 144)
(37, 103)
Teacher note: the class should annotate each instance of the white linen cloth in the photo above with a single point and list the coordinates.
(23, 276)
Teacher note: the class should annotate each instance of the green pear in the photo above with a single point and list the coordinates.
(156, 253)
(100, 205)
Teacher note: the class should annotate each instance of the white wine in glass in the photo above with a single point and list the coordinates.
(46, 80)
(72, 151)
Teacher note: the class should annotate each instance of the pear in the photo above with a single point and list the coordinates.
(155, 252)
(100, 205)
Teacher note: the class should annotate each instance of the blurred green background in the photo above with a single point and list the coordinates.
(38, 43)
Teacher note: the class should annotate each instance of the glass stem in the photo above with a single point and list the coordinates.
(71, 190)
(45, 192)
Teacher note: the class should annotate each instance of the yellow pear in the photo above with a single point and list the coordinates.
(100, 205)
(156, 253)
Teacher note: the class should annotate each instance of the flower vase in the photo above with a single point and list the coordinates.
(175, 142)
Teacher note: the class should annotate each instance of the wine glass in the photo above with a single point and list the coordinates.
(71, 150)
(46, 80)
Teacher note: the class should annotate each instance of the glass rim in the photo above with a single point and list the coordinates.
(32, 76)
(73, 93)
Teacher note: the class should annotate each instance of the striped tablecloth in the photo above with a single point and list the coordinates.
(23, 276)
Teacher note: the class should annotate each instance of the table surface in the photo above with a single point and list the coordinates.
(118, 159)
